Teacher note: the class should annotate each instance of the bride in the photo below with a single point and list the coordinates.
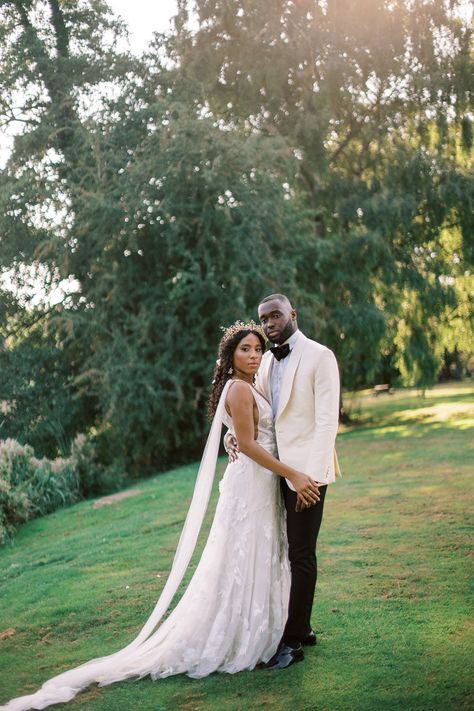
(233, 612)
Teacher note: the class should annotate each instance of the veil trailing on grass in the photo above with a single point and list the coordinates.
(103, 670)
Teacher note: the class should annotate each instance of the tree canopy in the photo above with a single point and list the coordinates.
(322, 149)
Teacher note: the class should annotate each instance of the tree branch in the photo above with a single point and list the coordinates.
(61, 31)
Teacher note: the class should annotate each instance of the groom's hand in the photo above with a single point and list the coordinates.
(302, 503)
(231, 447)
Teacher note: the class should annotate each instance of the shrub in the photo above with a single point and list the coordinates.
(52, 484)
(15, 461)
(14, 509)
(94, 476)
(31, 487)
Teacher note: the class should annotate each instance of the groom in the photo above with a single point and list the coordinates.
(301, 380)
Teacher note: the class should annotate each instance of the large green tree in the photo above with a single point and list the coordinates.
(197, 227)
(375, 99)
(169, 224)
(56, 58)
(322, 149)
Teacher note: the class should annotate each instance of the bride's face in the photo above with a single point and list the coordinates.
(247, 356)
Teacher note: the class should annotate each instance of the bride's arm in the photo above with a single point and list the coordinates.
(240, 402)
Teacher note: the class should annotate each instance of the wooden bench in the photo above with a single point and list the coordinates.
(382, 388)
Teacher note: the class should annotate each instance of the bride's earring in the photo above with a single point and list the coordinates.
(231, 370)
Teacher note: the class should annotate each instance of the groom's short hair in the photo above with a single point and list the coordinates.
(278, 297)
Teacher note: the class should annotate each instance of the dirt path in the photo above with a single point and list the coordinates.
(113, 498)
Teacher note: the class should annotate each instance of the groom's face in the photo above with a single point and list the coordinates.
(278, 320)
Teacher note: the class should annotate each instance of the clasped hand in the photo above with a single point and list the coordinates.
(307, 491)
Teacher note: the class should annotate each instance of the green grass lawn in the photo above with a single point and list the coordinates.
(392, 606)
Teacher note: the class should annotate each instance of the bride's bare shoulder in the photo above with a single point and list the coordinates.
(239, 394)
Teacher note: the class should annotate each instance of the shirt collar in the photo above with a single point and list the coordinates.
(292, 339)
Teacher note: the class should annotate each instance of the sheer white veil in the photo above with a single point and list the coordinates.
(103, 670)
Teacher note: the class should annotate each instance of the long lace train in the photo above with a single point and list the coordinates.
(233, 611)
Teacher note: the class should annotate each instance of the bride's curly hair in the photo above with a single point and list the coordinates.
(224, 363)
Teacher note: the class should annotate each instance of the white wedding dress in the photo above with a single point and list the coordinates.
(233, 612)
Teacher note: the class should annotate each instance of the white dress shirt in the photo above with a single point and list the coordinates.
(278, 372)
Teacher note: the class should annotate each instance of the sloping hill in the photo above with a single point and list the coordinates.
(392, 603)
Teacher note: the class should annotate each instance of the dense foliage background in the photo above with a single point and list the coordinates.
(319, 148)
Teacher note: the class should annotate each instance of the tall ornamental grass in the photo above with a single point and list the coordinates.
(32, 487)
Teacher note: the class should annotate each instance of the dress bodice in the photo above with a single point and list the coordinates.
(265, 427)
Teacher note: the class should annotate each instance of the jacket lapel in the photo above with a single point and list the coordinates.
(287, 383)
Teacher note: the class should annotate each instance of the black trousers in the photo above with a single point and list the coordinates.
(302, 528)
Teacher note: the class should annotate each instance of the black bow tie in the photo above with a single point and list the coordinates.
(281, 351)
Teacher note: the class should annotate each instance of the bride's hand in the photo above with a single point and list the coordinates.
(231, 447)
(307, 491)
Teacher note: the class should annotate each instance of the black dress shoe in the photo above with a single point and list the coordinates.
(285, 656)
(310, 640)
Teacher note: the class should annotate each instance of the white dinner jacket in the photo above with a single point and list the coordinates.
(308, 410)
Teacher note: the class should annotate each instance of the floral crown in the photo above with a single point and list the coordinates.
(230, 331)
